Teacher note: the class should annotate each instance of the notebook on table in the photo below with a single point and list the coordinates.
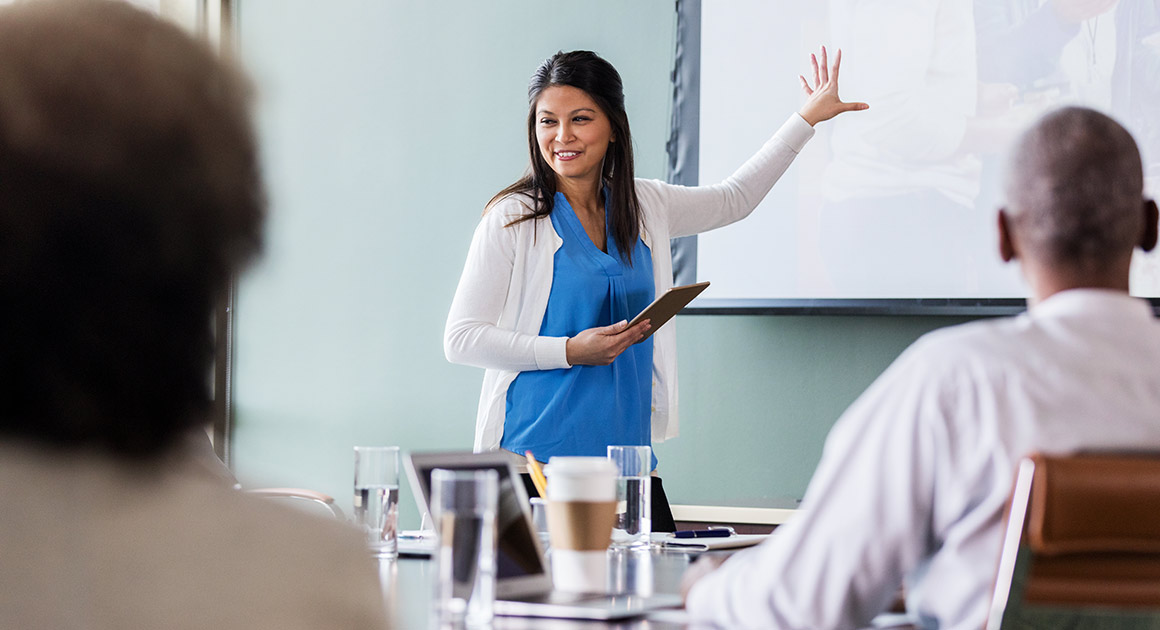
(523, 582)
(736, 541)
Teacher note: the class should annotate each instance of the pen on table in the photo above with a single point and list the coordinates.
(537, 474)
(712, 532)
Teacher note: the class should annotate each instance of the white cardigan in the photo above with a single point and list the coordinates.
(499, 305)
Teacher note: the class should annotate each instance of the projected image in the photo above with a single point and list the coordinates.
(899, 201)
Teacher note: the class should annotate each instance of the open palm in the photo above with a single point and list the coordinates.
(823, 102)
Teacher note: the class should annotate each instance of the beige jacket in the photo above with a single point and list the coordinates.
(90, 542)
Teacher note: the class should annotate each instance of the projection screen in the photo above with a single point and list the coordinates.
(899, 202)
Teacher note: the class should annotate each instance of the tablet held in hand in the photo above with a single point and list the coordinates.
(667, 305)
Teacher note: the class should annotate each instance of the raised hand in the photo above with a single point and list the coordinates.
(823, 102)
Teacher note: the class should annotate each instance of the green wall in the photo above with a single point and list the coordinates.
(386, 126)
(758, 394)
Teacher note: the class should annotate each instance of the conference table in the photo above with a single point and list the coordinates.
(407, 589)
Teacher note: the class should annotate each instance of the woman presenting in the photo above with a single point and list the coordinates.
(564, 257)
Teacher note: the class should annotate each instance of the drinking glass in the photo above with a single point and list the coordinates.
(631, 571)
(463, 507)
(376, 497)
(633, 495)
(540, 522)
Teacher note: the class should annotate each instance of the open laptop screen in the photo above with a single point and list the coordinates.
(517, 552)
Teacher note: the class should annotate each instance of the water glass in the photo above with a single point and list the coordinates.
(463, 507)
(631, 571)
(633, 495)
(376, 497)
(540, 522)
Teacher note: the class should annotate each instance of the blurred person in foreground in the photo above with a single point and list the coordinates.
(915, 475)
(129, 192)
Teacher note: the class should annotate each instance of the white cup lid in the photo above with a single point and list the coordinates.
(581, 479)
(580, 466)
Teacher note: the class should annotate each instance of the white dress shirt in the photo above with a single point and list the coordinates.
(914, 476)
(499, 305)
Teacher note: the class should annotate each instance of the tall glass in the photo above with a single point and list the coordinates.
(463, 507)
(631, 571)
(633, 495)
(376, 497)
(540, 522)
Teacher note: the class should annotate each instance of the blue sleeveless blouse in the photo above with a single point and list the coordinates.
(584, 409)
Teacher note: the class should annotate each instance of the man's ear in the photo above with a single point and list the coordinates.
(1151, 217)
(1007, 249)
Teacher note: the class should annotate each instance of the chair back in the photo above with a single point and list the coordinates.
(303, 497)
(1081, 547)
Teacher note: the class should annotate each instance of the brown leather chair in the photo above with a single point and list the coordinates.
(1081, 547)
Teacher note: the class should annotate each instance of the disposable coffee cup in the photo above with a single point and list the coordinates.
(581, 513)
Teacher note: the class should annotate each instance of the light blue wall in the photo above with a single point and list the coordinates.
(386, 126)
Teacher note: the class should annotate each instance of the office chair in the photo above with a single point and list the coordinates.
(1081, 548)
(300, 495)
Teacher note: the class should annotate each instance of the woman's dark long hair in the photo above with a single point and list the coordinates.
(586, 71)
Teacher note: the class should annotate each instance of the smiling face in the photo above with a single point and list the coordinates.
(573, 133)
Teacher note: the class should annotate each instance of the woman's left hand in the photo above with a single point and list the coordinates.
(823, 102)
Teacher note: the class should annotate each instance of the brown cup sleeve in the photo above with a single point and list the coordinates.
(581, 525)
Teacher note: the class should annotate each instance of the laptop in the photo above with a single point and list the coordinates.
(523, 581)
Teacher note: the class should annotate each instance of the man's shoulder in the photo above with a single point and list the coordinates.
(991, 341)
(266, 529)
(275, 561)
(280, 522)
(157, 533)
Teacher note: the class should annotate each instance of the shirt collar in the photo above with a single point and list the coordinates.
(1100, 302)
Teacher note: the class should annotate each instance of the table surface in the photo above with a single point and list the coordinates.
(407, 589)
